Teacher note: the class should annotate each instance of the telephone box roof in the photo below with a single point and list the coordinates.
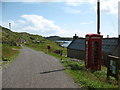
(93, 35)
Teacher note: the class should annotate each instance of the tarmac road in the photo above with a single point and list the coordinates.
(34, 69)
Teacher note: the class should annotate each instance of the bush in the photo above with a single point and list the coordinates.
(5, 59)
(75, 66)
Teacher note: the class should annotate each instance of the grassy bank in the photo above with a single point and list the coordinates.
(43, 46)
(0, 51)
(77, 70)
(86, 78)
(9, 53)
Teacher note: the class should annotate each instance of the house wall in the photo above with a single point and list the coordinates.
(79, 54)
(105, 58)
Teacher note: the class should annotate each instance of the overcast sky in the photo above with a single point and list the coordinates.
(63, 18)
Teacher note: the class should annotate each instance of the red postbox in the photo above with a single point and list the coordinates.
(93, 50)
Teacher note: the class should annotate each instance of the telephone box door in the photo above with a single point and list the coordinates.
(96, 55)
(93, 51)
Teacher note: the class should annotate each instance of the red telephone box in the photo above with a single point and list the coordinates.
(93, 51)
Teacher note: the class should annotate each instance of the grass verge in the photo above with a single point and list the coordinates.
(9, 53)
(86, 78)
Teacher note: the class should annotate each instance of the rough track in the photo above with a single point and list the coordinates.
(33, 69)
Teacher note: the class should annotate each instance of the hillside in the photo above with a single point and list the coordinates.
(14, 38)
(11, 42)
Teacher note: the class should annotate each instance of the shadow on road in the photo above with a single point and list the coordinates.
(53, 71)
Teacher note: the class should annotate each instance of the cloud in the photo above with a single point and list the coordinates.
(71, 11)
(74, 2)
(40, 22)
(32, 0)
(84, 23)
(107, 6)
(21, 21)
(35, 24)
(41, 25)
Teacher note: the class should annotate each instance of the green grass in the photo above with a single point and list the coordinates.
(43, 47)
(9, 53)
(0, 51)
(86, 78)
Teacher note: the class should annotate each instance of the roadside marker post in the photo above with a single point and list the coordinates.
(48, 48)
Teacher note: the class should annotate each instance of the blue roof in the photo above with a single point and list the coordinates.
(78, 44)
(108, 44)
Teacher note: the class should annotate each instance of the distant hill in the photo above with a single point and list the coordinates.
(53, 38)
(56, 38)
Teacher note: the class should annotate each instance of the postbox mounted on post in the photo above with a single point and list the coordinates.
(93, 51)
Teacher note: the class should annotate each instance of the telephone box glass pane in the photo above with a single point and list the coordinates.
(95, 52)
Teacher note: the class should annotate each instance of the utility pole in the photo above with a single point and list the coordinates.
(98, 16)
(10, 26)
